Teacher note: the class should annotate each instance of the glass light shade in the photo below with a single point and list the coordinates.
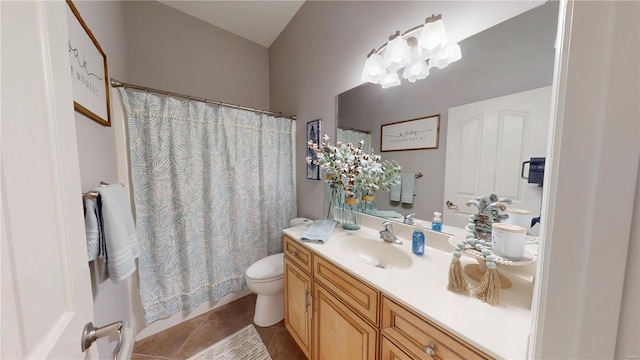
(373, 70)
(390, 80)
(396, 54)
(433, 35)
(448, 55)
(418, 70)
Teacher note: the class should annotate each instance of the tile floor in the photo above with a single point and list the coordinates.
(192, 336)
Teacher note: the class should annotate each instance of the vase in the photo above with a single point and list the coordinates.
(368, 204)
(334, 200)
(350, 214)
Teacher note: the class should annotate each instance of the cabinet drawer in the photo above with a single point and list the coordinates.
(362, 298)
(414, 333)
(298, 254)
(389, 351)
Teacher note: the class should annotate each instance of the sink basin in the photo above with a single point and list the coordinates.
(376, 253)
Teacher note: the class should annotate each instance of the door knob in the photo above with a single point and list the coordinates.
(451, 205)
(90, 334)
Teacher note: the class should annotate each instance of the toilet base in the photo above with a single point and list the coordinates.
(269, 309)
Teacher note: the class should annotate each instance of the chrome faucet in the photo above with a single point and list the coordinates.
(388, 235)
(408, 219)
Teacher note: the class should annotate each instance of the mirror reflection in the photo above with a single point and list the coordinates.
(494, 108)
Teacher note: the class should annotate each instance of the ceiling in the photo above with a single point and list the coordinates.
(258, 21)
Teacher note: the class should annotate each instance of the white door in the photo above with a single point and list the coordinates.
(487, 142)
(46, 290)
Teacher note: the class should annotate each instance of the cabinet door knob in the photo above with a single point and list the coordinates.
(430, 349)
(294, 253)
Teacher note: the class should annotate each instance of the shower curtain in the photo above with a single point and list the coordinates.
(354, 137)
(213, 189)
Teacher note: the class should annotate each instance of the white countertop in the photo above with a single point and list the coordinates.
(501, 330)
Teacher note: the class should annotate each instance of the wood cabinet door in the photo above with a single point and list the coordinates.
(339, 332)
(297, 309)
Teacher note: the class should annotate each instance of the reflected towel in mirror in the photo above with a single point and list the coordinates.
(394, 192)
(408, 181)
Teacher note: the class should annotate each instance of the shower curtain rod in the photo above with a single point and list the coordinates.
(115, 83)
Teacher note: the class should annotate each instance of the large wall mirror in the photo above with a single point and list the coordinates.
(515, 57)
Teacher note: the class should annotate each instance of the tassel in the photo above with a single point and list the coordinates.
(489, 288)
(457, 281)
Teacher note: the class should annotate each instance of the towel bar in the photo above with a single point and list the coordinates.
(94, 194)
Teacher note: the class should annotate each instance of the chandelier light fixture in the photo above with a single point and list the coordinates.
(416, 50)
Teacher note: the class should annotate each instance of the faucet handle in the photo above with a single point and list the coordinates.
(388, 226)
(408, 219)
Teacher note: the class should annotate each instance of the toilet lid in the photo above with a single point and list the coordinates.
(267, 268)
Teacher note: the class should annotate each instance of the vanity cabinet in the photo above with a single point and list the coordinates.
(338, 331)
(297, 294)
(334, 315)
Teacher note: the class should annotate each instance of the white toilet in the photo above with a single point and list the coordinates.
(265, 278)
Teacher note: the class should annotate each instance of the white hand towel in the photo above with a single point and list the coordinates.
(408, 181)
(394, 192)
(92, 228)
(119, 232)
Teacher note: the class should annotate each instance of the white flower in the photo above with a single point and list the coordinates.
(350, 169)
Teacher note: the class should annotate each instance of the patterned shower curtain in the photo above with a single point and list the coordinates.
(213, 189)
(354, 137)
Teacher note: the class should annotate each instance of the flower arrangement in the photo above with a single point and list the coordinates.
(348, 168)
(341, 163)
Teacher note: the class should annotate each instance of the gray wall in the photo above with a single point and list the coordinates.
(321, 52)
(514, 56)
(97, 156)
(151, 44)
(170, 50)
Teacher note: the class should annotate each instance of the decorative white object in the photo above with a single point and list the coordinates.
(520, 217)
(507, 240)
(416, 50)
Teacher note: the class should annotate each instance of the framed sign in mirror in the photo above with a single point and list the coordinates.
(89, 76)
(415, 134)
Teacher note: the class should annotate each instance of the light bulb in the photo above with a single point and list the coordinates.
(416, 71)
(391, 79)
(396, 54)
(433, 35)
(373, 70)
(448, 55)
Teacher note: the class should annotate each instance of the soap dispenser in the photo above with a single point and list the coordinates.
(417, 245)
(436, 225)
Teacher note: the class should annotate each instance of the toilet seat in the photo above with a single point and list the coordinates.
(267, 269)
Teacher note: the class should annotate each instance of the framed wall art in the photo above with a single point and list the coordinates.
(89, 75)
(313, 134)
(415, 134)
